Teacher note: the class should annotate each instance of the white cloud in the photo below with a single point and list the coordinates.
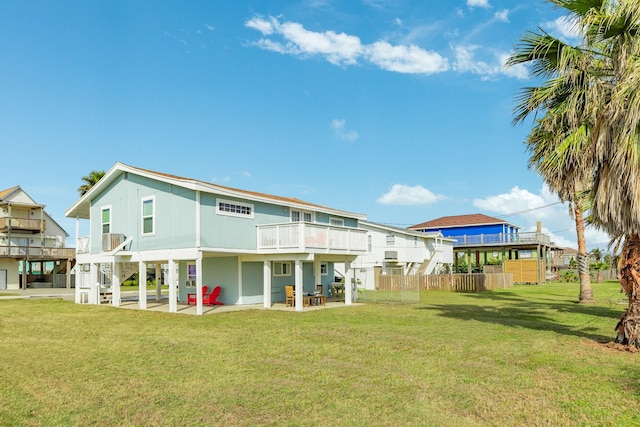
(406, 59)
(466, 62)
(336, 48)
(526, 209)
(344, 49)
(260, 24)
(478, 3)
(502, 15)
(563, 27)
(210, 27)
(405, 195)
(341, 132)
(247, 174)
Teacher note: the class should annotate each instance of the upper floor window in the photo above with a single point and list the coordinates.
(233, 208)
(106, 220)
(391, 240)
(369, 244)
(297, 216)
(337, 222)
(148, 215)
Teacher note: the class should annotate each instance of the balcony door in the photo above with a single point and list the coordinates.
(304, 216)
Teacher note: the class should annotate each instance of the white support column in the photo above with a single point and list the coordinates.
(240, 281)
(142, 285)
(94, 295)
(78, 284)
(199, 284)
(158, 281)
(348, 286)
(173, 287)
(266, 283)
(115, 283)
(297, 270)
(317, 273)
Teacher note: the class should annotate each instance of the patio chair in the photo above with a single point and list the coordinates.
(192, 298)
(212, 298)
(290, 296)
(319, 289)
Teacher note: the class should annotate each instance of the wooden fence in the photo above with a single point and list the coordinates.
(476, 282)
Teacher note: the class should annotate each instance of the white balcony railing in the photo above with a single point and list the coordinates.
(83, 245)
(501, 238)
(303, 237)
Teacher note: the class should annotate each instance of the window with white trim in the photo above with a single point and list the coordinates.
(324, 268)
(191, 275)
(297, 216)
(369, 244)
(337, 222)
(148, 215)
(106, 220)
(391, 240)
(282, 269)
(233, 208)
(526, 253)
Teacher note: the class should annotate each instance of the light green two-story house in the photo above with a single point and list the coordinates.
(195, 233)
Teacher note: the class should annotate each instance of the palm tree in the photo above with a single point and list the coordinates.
(598, 263)
(606, 106)
(89, 181)
(558, 140)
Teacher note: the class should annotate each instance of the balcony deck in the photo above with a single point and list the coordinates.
(311, 237)
(502, 239)
(41, 253)
(22, 225)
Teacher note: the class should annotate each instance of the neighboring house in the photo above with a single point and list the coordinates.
(197, 233)
(398, 250)
(32, 244)
(481, 240)
(564, 258)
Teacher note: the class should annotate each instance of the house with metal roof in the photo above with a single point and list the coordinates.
(193, 233)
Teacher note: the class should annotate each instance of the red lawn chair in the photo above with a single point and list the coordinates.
(212, 298)
(192, 298)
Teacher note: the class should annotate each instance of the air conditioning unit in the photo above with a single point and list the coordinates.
(110, 241)
(390, 254)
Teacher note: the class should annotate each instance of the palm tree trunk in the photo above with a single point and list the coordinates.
(628, 327)
(586, 293)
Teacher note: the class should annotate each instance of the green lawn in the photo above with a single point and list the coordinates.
(523, 356)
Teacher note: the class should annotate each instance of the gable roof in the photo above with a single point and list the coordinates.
(5, 193)
(460, 220)
(5, 199)
(81, 207)
(12, 196)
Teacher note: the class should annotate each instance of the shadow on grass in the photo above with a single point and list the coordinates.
(536, 313)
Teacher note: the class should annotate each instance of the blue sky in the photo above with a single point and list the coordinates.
(397, 109)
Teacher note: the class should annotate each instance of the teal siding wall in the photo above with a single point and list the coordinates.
(222, 271)
(252, 282)
(175, 217)
(231, 232)
(174, 213)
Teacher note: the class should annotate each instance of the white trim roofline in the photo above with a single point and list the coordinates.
(406, 231)
(81, 207)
